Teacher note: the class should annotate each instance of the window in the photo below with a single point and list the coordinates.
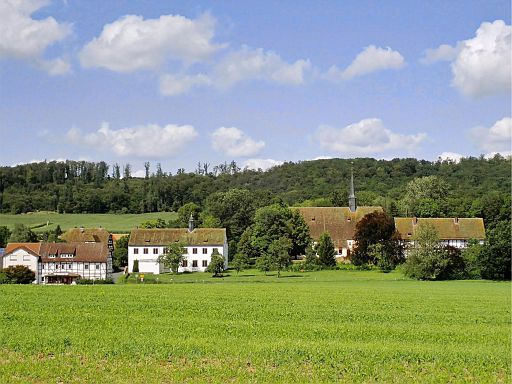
(69, 266)
(146, 251)
(26, 257)
(164, 250)
(52, 256)
(135, 251)
(184, 264)
(194, 251)
(97, 266)
(185, 251)
(86, 266)
(155, 251)
(205, 263)
(205, 251)
(194, 263)
(42, 266)
(13, 258)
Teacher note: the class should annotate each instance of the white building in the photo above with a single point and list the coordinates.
(26, 254)
(61, 263)
(66, 262)
(146, 245)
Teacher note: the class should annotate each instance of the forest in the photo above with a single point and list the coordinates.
(462, 189)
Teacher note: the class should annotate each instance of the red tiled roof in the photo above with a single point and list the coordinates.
(32, 247)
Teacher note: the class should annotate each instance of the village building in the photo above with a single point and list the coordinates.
(26, 254)
(146, 245)
(454, 232)
(339, 222)
(61, 263)
(91, 236)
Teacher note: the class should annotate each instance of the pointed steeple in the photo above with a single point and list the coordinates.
(352, 200)
(191, 223)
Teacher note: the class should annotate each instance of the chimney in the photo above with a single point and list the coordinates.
(191, 223)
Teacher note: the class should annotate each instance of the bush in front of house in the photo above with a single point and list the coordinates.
(94, 282)
(18, 274)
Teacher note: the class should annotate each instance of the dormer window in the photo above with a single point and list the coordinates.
(52, 256)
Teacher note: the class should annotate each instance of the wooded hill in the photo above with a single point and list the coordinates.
(468, 187)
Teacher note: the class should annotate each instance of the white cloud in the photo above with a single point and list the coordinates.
(141, 173)
(55, 67)
(451, 156)
(25, 38)
(497, 138)
(257, 64)
(172, 85)
(444, 52)
(263, 164)
(371, 59)
(234, 142)
(369, 136)
(132, 43)
(480, 66)
(150, 141)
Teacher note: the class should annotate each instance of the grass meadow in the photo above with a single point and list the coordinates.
(327, 326)
(115, 223)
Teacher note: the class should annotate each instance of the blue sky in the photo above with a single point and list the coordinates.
(178, 82)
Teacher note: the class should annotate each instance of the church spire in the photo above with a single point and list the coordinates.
(352, 200)
(191, 223)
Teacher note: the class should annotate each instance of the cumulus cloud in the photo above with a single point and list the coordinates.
(132, 42)
(371, 59)
(451, 156)
(497, 138)
(369, 136)
(481, 65)
(172, 85)
(55, 67)
(257, 64)
(26, 38)
(234, 142)
(150, 141)
(263, 164)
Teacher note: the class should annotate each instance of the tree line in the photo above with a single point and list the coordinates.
(461, 189)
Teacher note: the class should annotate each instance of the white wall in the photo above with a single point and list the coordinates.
(148, 261)
(22, 257)
(86, 270)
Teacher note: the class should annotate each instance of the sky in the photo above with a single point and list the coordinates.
(258, 82)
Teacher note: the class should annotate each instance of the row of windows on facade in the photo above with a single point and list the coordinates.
(63, 266)
(145, 251)
(184, 263)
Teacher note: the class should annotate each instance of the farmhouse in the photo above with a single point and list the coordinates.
(91, 236)
(338, 222)
(61, 262)
(455, 232)
(146, 245)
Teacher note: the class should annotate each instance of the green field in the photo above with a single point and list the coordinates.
(331, 326)
(115, 223)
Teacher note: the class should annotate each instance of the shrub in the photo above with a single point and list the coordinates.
(19, 274)
(94, 282)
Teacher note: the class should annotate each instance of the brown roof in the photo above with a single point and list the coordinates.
(338, 222)
(117, 236)
(199, 236)
(32, 247)
(84, 252)
(447, 228)
(89, 235)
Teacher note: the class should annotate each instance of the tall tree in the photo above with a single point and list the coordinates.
(325, 251)
(427, 260)
(377, 228)
(279, 254)
(173, 257)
